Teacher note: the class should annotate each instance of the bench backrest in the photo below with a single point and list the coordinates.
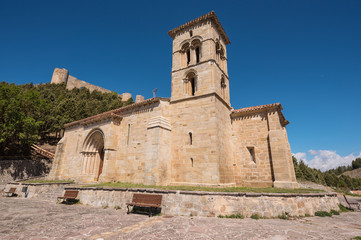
(71, 193)
(147, 198)
(12, 190)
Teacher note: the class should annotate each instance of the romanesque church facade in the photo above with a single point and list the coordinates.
(194, 137)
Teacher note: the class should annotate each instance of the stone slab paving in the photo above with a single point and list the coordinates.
(33, 219)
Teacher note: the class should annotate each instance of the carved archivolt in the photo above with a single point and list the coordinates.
(93, 153)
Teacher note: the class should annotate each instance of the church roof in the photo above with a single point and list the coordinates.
(115, 113)
(261, 108)
(210, 15)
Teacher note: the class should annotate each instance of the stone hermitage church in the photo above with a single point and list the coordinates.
(193, 138)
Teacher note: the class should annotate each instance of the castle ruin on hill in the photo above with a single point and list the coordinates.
(62, 76)
(194, 137)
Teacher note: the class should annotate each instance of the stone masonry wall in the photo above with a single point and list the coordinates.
(251, 131)
(211, 204)
(191, 203)
(136, 150)
(48, 191)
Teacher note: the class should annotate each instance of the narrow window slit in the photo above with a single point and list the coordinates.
(128, 134)
(251, 152)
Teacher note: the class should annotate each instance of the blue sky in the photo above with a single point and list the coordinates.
(304, 54)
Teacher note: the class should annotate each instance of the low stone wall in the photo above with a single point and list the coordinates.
(210, 204)
(192, 203)
(46, 191)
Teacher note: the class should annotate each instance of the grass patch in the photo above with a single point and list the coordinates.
(283, 216)
(238, 215)
(255, 216)
(307, 215)
(48, 181)
(344, 209)
(323, 214)
(352, 194)
(207, 189)
(334, 212)
(357, 238)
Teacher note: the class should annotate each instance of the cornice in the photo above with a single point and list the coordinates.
(114, 115)
(202, 62)
(261, 109)
(202, 96)
(209, 16)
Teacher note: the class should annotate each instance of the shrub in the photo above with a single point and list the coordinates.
(255, 216)
(283, 216)
(307, 215)
(344, 209)
(238, 215)
(323, 214)
(334, 212)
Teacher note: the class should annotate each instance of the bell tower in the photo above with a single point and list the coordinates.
(200, 59)
(200, 104)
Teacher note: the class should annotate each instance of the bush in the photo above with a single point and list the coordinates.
(283, 216)
(334, 212)
(343, 208)
(255, 216)
(323, 214)
(238, 215)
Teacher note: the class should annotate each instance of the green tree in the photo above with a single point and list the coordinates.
(356, 163)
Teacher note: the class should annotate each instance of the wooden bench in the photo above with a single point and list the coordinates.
(68, 195)
(146, 200)
(11, 192)
(352, 204)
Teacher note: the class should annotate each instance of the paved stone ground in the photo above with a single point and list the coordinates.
(33, 219)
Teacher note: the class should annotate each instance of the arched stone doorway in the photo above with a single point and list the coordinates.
(93, 155)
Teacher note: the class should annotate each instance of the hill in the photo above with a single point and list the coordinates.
(37, 113)
(356, 173)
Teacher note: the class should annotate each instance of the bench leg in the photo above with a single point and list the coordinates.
(150, 212)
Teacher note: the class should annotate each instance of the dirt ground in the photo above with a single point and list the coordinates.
(34, 219)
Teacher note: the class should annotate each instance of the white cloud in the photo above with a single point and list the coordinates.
(300, 156)
(326, 159)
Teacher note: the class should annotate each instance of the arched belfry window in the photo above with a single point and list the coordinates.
(223, 88)
(185, 55)
(93, 154)
(219, 51)
(190, 84)
(196, 45)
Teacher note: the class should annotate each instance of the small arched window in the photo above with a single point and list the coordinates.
(193, 86)
(190, 84)
(190, 138)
